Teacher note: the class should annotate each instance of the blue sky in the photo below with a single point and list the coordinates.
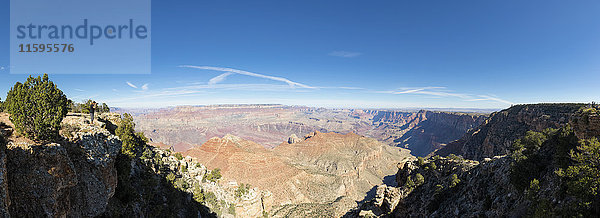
(360, 54)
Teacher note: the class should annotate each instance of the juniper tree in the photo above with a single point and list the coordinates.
(36, 108)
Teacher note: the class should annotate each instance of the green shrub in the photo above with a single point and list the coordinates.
(184, 168)
(528, 164)
(583, 176)
(36, 108)
(198, 194)
(454, 157)
(432, 166)
(133, 143)
(178, 155)
(242, 190)
(409, 183)
(439, 188)
(171, 177)
(419, 179)
(213, 176)
(454, 181)
(420, 161)
(210, 199)
(180, 184)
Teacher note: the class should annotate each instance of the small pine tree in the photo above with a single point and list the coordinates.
(583, 176)
(454, 180)
(105, 108)
(36, 107)
(132, 142)
(420, 161)
(419, 179)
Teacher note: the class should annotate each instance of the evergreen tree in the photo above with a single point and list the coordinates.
(105, 108)
(36, 108)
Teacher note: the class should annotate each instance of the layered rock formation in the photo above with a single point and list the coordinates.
(419, 131)
(323, 169)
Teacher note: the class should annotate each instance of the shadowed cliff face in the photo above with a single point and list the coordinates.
(496, 135)
(421, 131)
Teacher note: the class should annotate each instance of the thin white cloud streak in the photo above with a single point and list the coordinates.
(79, 90)
(490, 98)
(131, 85)
(219, 78)
(345, 54)
(241, 72)
(441, 92)
(145, 87)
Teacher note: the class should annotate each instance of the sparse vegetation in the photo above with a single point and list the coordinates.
(242, 190)
(198, 194)
(419, 179)
(68, 130)
(84, 107)
(213, 176)
(133, 142)
(420, 161)
(454, 181)
(232, 209)
(583, 176)
(454, 157)
(410, 184)
(178, 155)
(36, 108)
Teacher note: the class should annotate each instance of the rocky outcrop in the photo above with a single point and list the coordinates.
(293, 139)
(186, 176)
(496, 135)
(4, 197)
(74, 178)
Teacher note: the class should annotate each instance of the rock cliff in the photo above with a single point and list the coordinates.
(496, 135)
(526, 181)
(75, 177)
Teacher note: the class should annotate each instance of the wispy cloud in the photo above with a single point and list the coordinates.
(222, 77)
(345, 54)
(490, 98)
(443, 92)
(2, 68)
(79, 90)
(145, 87)
(131, 85)
(219, 78)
